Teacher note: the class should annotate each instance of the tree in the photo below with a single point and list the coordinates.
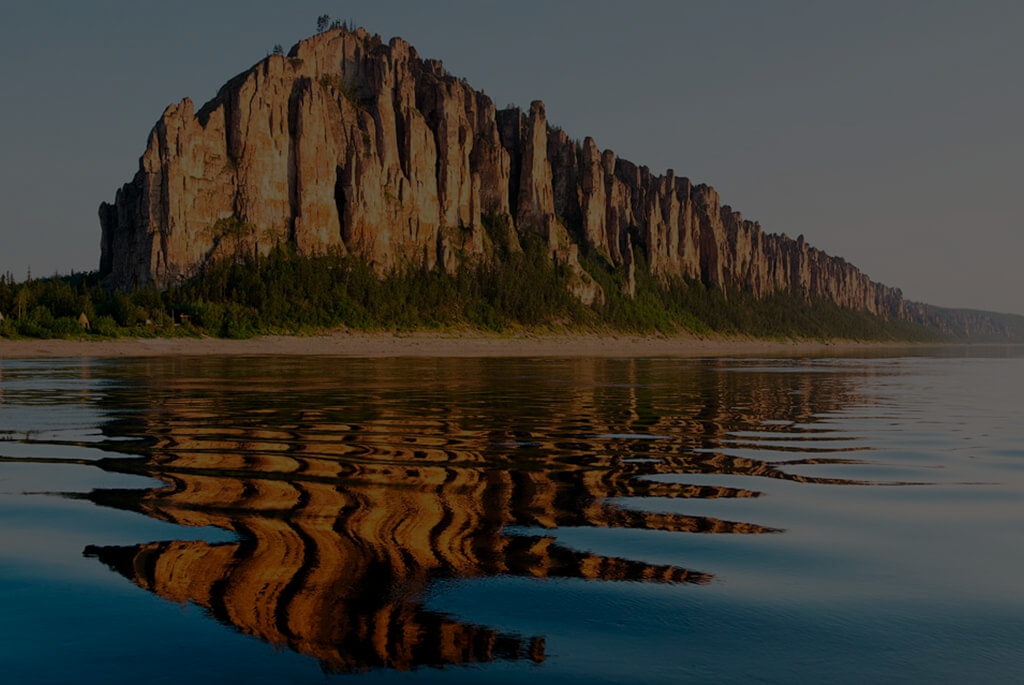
(322, 22)
(278, 50)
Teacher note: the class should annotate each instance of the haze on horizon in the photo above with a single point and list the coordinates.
(886, 133)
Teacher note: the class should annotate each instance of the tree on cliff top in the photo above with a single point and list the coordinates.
(322, 22)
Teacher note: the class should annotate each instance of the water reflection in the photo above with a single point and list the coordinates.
(355, 485)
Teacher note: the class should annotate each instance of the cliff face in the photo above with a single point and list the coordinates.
(351, 144)
(968, 325)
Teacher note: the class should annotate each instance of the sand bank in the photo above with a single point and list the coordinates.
(430, 344)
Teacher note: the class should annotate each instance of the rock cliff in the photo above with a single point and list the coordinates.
(351, 144)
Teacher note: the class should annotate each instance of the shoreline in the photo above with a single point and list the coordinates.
(440, 344)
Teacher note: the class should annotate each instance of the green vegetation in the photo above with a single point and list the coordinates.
(336, 83)
(678, 304)
(325, 23)
(282, 292)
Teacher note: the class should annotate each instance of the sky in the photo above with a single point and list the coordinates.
(890, 133)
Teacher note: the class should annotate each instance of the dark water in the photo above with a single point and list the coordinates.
(640, 520)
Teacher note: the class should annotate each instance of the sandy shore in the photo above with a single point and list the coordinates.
(427, 344)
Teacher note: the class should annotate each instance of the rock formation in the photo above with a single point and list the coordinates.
(351, 144)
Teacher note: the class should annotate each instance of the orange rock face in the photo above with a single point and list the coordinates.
(351, 144)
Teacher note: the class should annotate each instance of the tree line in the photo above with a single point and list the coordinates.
(285, 293)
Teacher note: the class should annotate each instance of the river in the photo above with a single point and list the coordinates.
(312, 519)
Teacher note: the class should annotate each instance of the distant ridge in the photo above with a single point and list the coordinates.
(968, 325)
(352, 145)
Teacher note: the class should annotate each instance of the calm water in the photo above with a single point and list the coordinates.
(639, 520)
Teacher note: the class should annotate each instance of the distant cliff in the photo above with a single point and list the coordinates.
(352, 144)
(968, 325)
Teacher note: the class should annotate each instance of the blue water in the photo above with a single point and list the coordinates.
(559, 520)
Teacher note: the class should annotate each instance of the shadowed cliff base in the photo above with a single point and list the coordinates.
(285, 293)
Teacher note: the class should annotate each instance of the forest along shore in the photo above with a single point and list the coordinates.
(420, 344)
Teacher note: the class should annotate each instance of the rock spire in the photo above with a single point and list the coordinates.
(352, 144)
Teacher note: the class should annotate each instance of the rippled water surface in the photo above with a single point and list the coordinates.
(275, 520)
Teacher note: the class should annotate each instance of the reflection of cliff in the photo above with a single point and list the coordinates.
(351, 495)
(337, 569)
(294, 590)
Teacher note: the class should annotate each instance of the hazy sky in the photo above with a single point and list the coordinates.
(890, 133)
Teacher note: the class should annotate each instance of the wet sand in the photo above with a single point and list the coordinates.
(434, 344)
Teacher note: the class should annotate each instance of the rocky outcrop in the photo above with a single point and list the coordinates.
(354, 145)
